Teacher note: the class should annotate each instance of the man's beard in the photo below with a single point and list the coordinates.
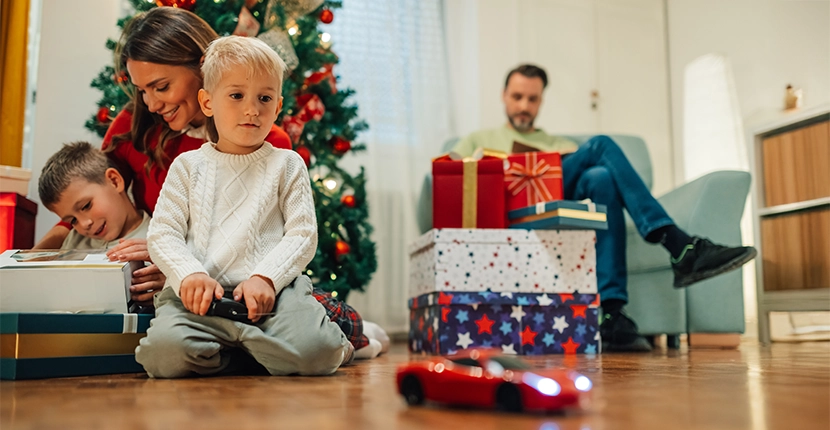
(521, 127)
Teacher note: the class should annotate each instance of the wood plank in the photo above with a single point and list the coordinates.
(714, 340)
(784, 386)
(796, 250)
(796, 165)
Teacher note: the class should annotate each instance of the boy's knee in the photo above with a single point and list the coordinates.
(165, 353)
(324, 353)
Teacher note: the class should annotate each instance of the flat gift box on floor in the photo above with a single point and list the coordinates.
(560, 215)
(503, 260)
(59, 345)
(64, 281)
(518, 323)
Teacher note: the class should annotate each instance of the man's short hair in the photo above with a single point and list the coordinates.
(76, 160)
(529, 71)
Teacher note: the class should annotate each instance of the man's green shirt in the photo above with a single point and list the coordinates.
(501, 139)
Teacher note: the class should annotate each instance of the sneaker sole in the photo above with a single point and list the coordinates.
(735, 263)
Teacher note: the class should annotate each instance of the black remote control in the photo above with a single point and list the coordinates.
(230, 309)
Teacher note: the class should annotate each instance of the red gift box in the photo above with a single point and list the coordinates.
(532, 177)
(468, 192)
(17, 222)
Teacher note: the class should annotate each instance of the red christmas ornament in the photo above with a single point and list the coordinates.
(103, 115)
(305, 154)
(341, 146)
(184, 4)
(348, 200)
(341, 248)
(326, 16)
(120, 78)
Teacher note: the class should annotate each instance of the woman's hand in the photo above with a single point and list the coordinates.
(130, 250)
(147, 281)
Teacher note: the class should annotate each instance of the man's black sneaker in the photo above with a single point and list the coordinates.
(619, 334)
(703, 259)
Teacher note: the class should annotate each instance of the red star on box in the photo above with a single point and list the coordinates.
(485, 325)
(579, 310)
(596, 301)
(421, 324)
(444, 299)
(566, 297)
(528, 336)
(570, 346)
(429, 334)
(444, 313)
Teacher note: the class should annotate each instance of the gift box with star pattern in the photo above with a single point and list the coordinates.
(503, 260)
(517, 323)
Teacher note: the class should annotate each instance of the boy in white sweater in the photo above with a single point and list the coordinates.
(237, 216)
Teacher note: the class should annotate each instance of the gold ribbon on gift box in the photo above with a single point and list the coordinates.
(51, 345)
(469, 193)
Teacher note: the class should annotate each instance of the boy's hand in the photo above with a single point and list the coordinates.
(129, 250)
(259, 296)
(197, 291)
(147, 281)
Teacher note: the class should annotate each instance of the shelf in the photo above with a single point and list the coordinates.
(794, 207)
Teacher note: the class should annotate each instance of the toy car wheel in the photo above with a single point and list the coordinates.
(412, 391)
(508, 398)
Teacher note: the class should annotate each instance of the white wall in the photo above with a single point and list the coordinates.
(769, 43)
(72, 52)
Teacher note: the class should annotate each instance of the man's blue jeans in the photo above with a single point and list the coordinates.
(599, 170)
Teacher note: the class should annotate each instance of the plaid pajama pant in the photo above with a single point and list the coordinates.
(344, 316)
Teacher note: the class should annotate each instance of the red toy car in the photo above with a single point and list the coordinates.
(488, 379)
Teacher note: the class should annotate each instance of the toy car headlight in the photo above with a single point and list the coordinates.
(582, 383)
(548, 386)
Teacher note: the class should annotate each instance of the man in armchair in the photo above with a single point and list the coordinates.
(600, 171)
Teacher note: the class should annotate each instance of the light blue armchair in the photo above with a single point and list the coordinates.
(710, 206)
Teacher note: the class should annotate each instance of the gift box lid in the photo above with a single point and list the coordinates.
(490, 298)
(28, 323)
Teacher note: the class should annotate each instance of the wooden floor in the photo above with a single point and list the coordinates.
(786, 386)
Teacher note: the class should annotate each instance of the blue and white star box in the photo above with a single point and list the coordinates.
(560, 215)
(52, 345)
(503, 260)
(517, 323)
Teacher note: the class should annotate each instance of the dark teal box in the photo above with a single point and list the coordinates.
(56, 345)
(560, 215)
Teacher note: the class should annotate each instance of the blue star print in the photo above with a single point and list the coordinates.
(506, 328)
(591, 349)
(548, 339)
(523, 301)
(462, 316)
(581, 330)
(539, 318)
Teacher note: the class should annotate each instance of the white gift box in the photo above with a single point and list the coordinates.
(503, 260)
(64, 281)
(14, 180)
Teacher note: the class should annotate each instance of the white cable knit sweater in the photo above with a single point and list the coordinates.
(234, 216)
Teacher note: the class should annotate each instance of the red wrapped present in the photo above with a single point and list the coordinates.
(531, 178)
(468, 192)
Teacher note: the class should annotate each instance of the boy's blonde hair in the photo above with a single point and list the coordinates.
(76, 160)
(226, 52)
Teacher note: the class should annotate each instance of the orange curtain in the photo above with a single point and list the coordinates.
(14, 28)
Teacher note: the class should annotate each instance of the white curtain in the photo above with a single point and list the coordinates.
(393, 54)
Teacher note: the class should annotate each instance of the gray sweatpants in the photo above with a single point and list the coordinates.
(300, 338)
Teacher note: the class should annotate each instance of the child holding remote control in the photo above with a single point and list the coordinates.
(237, 215)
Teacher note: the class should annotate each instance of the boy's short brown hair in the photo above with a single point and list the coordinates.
(76, 160)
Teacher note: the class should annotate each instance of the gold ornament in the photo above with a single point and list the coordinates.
(279, 41)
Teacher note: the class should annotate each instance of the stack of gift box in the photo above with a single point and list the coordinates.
(65, 313)
(508, 264)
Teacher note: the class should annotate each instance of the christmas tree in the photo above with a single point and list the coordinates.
(316, 115)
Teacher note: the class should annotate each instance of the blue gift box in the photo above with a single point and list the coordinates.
(518, 323)
(560, 215)
(36, 345)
